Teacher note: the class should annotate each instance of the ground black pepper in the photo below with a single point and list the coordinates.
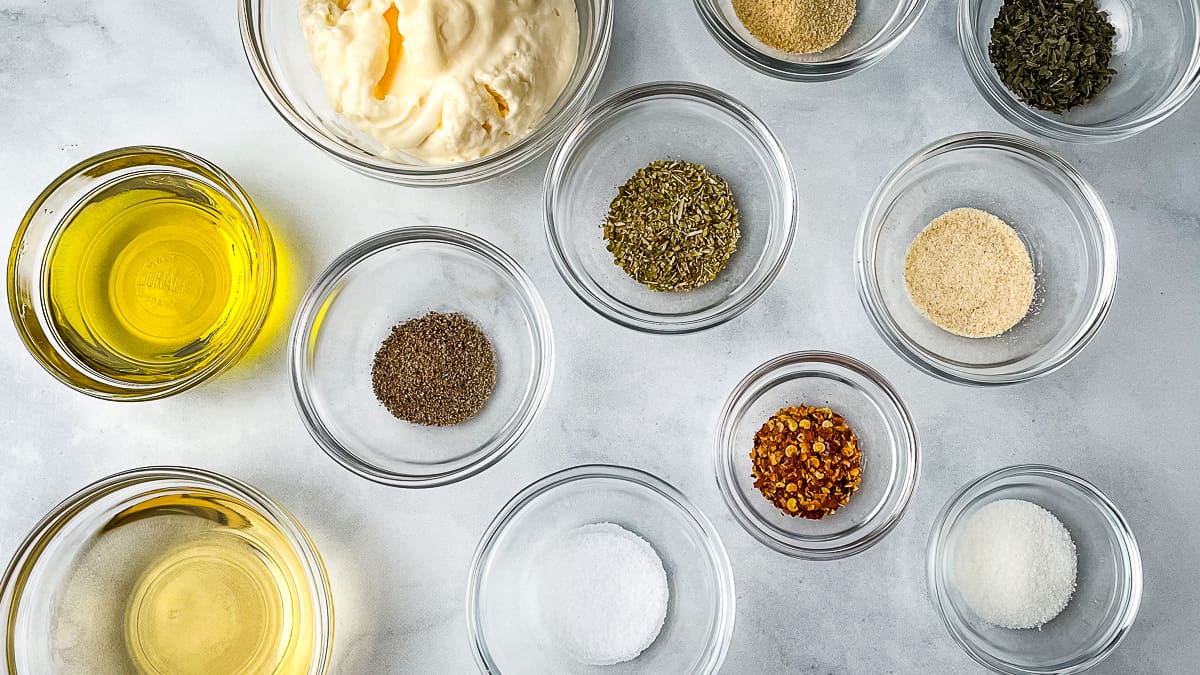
(437, 370)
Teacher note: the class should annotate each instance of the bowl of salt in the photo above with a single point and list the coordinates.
(600, 569)
(1034, 571)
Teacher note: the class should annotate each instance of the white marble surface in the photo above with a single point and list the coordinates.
(82, 76)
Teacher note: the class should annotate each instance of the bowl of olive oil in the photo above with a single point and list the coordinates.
(139, 273)
(165, 570)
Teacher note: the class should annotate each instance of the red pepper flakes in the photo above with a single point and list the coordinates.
(806, 461)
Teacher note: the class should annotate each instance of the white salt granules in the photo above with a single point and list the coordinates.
(604, 593)
(1014, 564)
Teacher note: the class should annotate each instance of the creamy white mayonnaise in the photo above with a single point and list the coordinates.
(442, 80)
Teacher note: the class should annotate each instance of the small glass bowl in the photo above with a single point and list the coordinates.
(505, 623)
(386, 280)
(1109, 578)
(1156, 54)
(278, 55)
(1054, 210)
(891, 451)
(63, 597)
(106, 174)
(668, 121)
(879, 26)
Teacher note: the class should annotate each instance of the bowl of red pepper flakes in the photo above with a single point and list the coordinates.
(806, 461)
(816, 455)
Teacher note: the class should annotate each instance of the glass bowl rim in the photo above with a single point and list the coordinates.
(541, 138)
(567, 154)
(29, 552)
(909, 442)
(974, 56)
(718, 558)
(265, 273)
(750, 55)
(318, 292)
(1099, 226)
(976, 488)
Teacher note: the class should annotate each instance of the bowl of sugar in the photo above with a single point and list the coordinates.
(1033, 570)
(600, 567)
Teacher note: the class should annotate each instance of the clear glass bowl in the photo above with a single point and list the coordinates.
(63, 597)
(278, 55)
(891, 453)
(1109, 577)
(391, 278)
(879, 26)
(505, 623)
(106, 174)
(1054, 210)
(668, 121)
(1156, 54)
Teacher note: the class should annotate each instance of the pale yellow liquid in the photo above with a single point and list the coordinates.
(231, 600)
(151, 278)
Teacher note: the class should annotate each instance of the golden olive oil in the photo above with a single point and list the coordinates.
(230, 599)
(151, 277)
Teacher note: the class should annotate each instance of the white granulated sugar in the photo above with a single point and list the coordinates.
(1014, 564)
(604, 593)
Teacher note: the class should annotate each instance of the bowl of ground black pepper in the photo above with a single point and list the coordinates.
(1085, 71)
(809, 40)
(670, 209)
(986, 259)
(816, 455)
(420, 356)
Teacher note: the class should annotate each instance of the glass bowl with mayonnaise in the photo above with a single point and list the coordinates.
(429, 93)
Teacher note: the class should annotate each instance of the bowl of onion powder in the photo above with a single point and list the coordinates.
(986, 259)
(1033, 570)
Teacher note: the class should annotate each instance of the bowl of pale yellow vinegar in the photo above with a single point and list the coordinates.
(139, 273)
(166, 570)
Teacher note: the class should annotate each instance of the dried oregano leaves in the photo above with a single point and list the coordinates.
(673, 226)
(1053, 54)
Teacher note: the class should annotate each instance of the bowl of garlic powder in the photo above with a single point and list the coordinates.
(986, 259)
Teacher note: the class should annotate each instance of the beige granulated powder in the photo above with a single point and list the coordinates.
(796, 26)
(969, 273)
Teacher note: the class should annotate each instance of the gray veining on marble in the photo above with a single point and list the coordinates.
(79, 76)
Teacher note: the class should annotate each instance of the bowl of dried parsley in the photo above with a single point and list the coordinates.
(420, 356)
(1086, 70)
(816, 455)
(670, 209)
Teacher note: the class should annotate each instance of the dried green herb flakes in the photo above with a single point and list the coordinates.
(1053, 54)
(673, 226)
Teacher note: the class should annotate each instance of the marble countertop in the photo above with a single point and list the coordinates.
(81, 76)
